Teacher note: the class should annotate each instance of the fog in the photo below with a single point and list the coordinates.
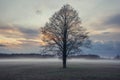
(51, 69)
(55, 60)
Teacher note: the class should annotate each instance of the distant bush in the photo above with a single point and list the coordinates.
(117, 57)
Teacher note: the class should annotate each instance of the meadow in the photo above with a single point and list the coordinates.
(51, 69)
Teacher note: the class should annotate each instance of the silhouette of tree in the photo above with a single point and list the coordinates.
(64, 34)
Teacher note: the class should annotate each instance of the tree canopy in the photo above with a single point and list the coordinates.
(63, 34)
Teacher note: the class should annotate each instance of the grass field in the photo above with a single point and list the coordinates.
(51, 69)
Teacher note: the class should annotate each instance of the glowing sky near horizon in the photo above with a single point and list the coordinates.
(20, 21)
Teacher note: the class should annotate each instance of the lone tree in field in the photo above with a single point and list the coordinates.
(64, 34)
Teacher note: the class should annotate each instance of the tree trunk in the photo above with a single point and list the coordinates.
(64, 60)
(64, 47)
(65, 44)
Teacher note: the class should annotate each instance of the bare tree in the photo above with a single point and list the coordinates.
(64, 34)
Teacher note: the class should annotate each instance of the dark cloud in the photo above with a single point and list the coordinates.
(106, 36)
(113, 20)
(18, 31)
(108, 49)
(106, 22)
(2, 45)
(108, 26)
(29, 33)
(9, 31)
(5, 28)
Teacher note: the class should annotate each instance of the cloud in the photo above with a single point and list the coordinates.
(106, 33)
(104, 48)
(105, 27)
(28, 33)
(8, 31)
(104, 21)
(2, 45)
(14, 36)
(10, 42)
(15, 31)
(106, 36)
(113, 20)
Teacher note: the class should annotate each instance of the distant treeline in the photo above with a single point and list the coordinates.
(88, 56)
(31, 55)
(34, 55)
(117, 57)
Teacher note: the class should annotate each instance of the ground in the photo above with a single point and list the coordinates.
(51, 69)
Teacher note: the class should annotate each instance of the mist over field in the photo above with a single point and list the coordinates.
(51, 69)
(47, 60)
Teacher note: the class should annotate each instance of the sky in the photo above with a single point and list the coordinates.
(20, 22)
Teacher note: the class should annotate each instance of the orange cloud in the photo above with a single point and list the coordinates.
(12, 35)
(41, 39)
(9, 42)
